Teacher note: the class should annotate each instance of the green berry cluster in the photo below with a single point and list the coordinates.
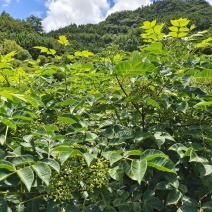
(62, 126)
(26, 128)
(76, 176)
(97, 175)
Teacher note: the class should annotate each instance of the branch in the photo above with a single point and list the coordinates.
(135, 106)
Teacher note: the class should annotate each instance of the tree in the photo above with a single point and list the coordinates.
(36, 24)
(10, 45)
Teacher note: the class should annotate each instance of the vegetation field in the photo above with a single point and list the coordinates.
(114, 131)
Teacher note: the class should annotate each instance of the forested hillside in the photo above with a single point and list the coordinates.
(121, 28)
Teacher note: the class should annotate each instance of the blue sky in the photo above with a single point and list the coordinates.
(59, 13)
(22, 9)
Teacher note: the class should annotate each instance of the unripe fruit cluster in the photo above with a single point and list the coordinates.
(76, 176)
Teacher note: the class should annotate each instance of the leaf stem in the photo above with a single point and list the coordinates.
(135, 106)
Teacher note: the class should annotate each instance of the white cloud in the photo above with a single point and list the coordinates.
(64, 12)
(7, 2)
(209, 1)
(127, 5)
(61, 13)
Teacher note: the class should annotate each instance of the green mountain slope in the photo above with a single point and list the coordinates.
(120, 28)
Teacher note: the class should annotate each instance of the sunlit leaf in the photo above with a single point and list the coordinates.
(9, 123)
(150, 154)
(162, 164)
(173, 197)
(114, 157)
(7, 165)
(88, 158)
(117, 173)
(138, 168)
(23, 159)
(52, 163)
(63, 40)
(43, 171)
(27, 176)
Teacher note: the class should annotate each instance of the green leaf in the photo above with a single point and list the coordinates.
(117, 173)
(25, 118)
(195, 158)
(173, 197)
(153, 203)
(43, 171)
(162, 164)
(139, 169)
(201, 104)
(63, 40)
(128, 171)
(150, 154)
(63, 156)
(182, 34)
(51, 128)
(9, 123)
(136, 207)
(67, 102)
(140, 135)
(4, 66)
(42, 49)
(132, 152)
(174, 29)
(161, 137)
(2, 154)
(3, 205)
(142, 68)
(53, 163)
(122, 68)
(65, 148)
(71, 206)
(20, 208)
(182, 106)
(24, 159)
(207, 206)
(2, 139)
(48, 72)
(7, 165)
(189, 202)
(163, 185)
(4, 174)
(115, 156)
(150, 202)
(179, 148)
(155, 47)
(89, 136)
(187, 209)
(35, 103)
(27, 177)
(207, 73)
(152, 102)
(172, 179)
(152, 24)
(88, 158)
(173, 34)
(146, 25)
(204, 170)
(66, 119)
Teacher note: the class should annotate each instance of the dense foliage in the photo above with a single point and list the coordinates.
(114, 131)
